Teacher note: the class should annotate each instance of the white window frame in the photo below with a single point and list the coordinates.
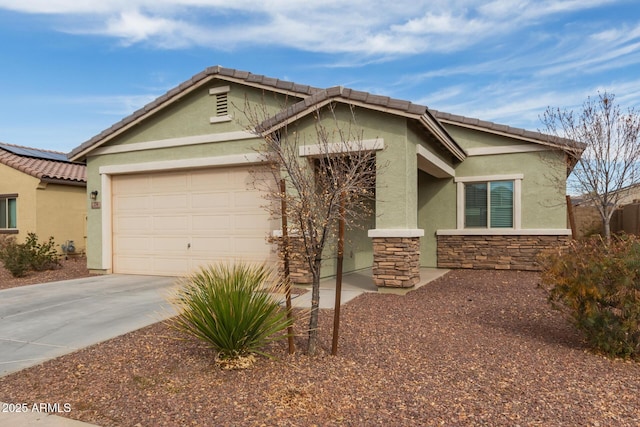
(517, 198)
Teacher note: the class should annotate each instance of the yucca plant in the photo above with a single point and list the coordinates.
(232, 308)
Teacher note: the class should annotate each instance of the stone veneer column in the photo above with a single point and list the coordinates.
(299, 272)
(396, 257)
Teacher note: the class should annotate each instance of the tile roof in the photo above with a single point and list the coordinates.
(314, 96)
(383, 103)
(507, 130)
(194, 82)
(62, 172)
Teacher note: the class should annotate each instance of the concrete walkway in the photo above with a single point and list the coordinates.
(357, 283)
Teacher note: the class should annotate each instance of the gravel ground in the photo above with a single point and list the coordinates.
(72, 268)
(471, 348)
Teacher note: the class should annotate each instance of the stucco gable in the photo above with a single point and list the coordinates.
(509, 131)
(431, 120)
(415, 112)
(185, 88)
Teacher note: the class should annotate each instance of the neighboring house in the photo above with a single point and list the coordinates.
(626, 218)
(174, 184)
(42, 192)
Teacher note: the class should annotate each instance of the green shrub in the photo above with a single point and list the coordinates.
(42, 256)
(14, 257)
(231, 308)
(598, 287)
(19, 258)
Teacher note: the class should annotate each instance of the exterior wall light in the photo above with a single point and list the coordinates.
(94, 195)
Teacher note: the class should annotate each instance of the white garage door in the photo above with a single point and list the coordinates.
(172, 222)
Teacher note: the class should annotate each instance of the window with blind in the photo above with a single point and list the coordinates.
(8, 214)
(489, 204)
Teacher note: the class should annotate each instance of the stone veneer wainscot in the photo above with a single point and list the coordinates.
(501, 252)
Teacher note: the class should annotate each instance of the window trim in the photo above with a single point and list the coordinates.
(517, 199)
(8, 230)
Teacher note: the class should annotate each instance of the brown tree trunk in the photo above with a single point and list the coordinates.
(315, 304)
(606, 229)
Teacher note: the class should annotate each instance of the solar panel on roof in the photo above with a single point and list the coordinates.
(34, 152)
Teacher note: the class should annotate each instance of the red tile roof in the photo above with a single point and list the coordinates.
(45, 169)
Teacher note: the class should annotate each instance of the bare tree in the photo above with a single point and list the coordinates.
(611, 159)
(338, 164)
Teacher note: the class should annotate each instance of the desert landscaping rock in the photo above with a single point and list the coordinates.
(471, 348)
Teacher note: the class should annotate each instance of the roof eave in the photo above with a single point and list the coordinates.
(436, 128)
(180, 91)
(571, 147)
(62, 181)
(304, 107)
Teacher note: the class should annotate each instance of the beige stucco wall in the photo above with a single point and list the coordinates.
(46, 209)
(61, 213)
(13, 181)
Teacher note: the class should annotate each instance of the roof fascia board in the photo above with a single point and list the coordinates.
(142, 117)
(180, 95)
(443, 136)
(175, 142)
(260, 86)
(295, 117)
(61, 181)
(509, 135)
(507, 149)
(430, 123)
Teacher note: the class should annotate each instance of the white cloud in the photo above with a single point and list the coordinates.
(395, 28)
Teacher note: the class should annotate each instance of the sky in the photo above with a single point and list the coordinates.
(71, 68)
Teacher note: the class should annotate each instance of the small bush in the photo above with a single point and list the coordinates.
(14, 257)
(598, 287)
(42, 256)
(19, 258)
(231, 308)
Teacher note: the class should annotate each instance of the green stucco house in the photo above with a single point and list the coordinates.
(174, 188)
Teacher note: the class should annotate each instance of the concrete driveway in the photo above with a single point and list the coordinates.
(41, 322)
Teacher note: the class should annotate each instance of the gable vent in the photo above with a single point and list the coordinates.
(221, 104)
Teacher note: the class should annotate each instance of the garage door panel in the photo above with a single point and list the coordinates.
(135, 184)
(170, 244)
(245, 200)
(134, 265)
(187, 219)
(202, 180)
(212, 199)
(170, 202)
(209, 223)
(132, 203)
(214, 244)
(248, 223)
(171, 223)
(169, 265)
(176, 182)
(138, 224)
(133, 244)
